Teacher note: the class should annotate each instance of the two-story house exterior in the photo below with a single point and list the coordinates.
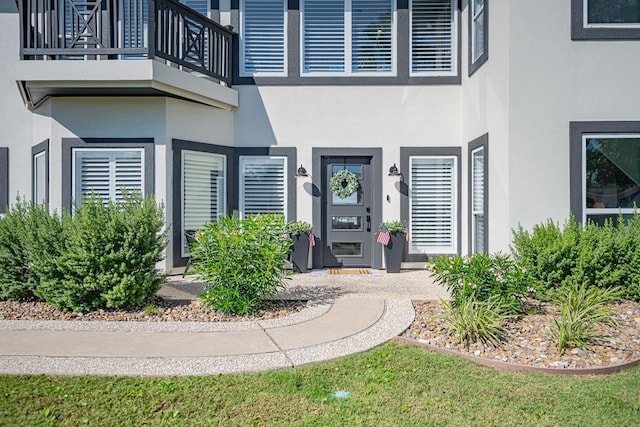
(461, 118)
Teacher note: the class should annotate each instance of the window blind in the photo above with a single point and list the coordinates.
(203, 190)
(263, 185)
(477, 198)
(433, 205)
(323, 36)
(433, 37)
(200, 6)
(108, 173)
(478, 29)
(263, 37)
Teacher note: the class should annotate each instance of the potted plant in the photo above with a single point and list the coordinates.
(392, 235)
(300, 233)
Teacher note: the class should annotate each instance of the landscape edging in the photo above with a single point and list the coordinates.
(506, 366)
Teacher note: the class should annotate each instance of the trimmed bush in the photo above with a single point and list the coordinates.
(482, 277)
(28, 235)
(242, 261)
(599, 255)
(107, 258)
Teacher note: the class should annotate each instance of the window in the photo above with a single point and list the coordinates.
(478, 236)
(478, 34)
(433, 204)
(263, 185)
(263, 38)
(203, 190)
(200, 6)
(107, 172)
(433, 37)
(605, 19)
(4, 179)
(611, 179)
(40, 173)
(348, 37)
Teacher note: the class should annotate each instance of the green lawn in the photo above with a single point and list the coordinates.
(392, 385)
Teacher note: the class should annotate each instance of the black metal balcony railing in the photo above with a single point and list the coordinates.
(125, 29)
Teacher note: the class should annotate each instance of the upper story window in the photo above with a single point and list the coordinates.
(263, 36)
(434, 37)
(605, 19)
(478, 34)
(200, 6)
(347, 37)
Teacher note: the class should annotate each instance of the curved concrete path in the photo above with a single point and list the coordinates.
(357, 313)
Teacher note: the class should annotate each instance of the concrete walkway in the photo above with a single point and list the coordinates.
(345, 315)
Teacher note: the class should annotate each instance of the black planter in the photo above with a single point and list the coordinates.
(393, 252)
(300, 252)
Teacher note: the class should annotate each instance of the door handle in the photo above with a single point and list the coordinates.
(368, 223)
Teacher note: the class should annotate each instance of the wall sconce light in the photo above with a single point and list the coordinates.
(301, 172)
(393, 171)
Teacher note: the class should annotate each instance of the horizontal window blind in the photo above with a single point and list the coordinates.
(107, 173)
(433, 205)
(200, 6)
(263, 185)
(433, 37)
(371, 35)
(263, 37)
(323, 41)
(203, 190)
(477, 200)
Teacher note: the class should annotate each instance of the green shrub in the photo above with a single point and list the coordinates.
(581, 308)
(108, 255)
(242, 261)
(471, 320)
(601, 255)
(28, 234)
(298, 227)
(393, 226)
(482, 277)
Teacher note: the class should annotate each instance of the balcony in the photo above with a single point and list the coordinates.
(123, 48)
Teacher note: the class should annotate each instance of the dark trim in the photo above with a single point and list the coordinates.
(481, 141)
(35, 150)
(68, 144)
(579, 32)
(316, 192)
(293, 77)
(4, 179)
(177, 147)
(289, 153)
(405, 154)
(576, 131)
(475, 65)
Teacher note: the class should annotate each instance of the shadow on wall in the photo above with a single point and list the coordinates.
(252, 125)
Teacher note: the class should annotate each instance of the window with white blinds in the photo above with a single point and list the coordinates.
(263, 185)
(200, 6)
(263, 38)
(477, 29)
(348, 37)
(433, 205)
(434, 32)
(477, 201)
(203, 191)
(107, 172)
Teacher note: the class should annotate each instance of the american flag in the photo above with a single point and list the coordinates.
(312, 240)
(383, 236)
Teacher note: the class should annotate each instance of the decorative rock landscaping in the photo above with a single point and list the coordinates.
(529, 342)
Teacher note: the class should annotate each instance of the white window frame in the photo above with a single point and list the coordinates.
(348, 54)
(243, 72)
(453, 248)
(600, 211)
(476, 16)
(454, 45)
(183, 241)
(112, 187)
(36, 178)
(587, 24)
(241, 160)
(474, 212)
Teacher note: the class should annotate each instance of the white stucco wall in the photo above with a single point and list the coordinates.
(554, 81)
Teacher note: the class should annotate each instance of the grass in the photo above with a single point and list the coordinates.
(392, 385)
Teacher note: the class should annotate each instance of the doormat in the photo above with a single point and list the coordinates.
(349, 271)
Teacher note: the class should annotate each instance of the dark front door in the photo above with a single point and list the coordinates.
(347, 234)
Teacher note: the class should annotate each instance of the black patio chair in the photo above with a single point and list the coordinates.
(190, 237)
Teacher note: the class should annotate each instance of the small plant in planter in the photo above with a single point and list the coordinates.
(392, 235)
(300, 233)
